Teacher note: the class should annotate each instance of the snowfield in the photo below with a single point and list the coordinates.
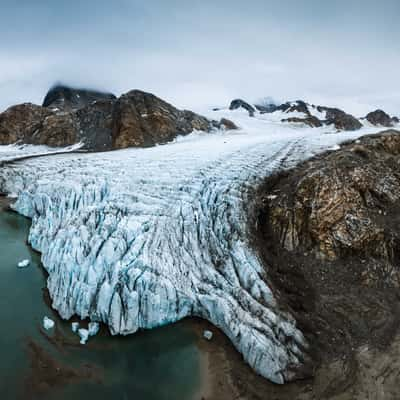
(140, 238)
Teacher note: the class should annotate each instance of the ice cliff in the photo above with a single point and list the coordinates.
(140, 238)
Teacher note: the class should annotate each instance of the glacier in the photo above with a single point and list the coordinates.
(140, 238)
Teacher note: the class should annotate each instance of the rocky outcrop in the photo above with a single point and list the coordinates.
(296, 106)
(68, 99)
(142, 119)
(317, 116)
(341, 120)
(226, 124)
(19, 123)
(100, 121)
(380, 118)
(311, 121)
(239, 103)
(328, 234)
(336, 205)
(266, 108)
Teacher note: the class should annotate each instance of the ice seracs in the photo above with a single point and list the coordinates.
(93, 328)
(140, 238)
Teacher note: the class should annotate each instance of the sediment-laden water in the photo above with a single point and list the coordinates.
(34, 363)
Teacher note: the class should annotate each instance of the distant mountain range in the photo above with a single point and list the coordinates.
(316, 116)
(101, 121)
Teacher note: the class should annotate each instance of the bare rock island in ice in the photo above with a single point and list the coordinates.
(140, 238)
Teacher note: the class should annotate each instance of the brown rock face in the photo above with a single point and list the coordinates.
(56, 130)
(100, 121)
(380, 118)
(142, 119)
(18, 123)
(337, 205)
(341, 120)
(328, 234)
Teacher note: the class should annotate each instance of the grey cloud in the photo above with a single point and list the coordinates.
(198, 53)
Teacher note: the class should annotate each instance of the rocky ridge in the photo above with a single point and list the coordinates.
(380, 118)
(101, 121)
(300, 112)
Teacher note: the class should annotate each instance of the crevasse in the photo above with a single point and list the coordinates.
(144, 237)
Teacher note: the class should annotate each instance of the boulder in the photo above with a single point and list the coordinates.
(379, 118)
(65, 98)
(239, 103)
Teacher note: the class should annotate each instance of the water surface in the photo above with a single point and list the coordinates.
(158, 364)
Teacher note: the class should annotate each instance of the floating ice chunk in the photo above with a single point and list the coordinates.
(84, 335)
(23, 263)
(207, 335)
(75, 326)
(48, 323)
(94, 328)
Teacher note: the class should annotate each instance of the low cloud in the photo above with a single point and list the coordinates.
(202, 54)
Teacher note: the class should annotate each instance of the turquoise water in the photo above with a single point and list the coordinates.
(154, 365)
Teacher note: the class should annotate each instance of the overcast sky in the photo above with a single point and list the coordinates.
(198, 53)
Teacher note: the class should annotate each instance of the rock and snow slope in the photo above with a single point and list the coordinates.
(139, 238)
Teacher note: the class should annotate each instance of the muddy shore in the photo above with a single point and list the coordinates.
(373, 374)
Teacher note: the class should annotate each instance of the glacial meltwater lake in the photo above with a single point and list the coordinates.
(37, 364)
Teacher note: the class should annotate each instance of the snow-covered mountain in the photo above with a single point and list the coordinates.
(302, 113)
(139, 238)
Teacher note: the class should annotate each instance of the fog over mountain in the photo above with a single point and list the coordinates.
(204, 53)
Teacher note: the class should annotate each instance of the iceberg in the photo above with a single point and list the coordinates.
(23, 264)
(84, 335)
(75, 327)
(207, 335)
(48, 323)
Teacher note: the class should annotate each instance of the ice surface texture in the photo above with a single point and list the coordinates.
(140, 238)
